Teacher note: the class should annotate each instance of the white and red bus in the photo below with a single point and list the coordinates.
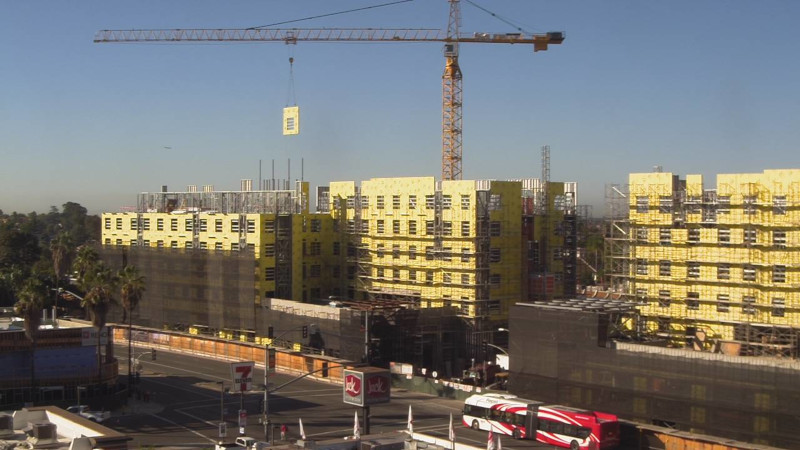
(552, 424)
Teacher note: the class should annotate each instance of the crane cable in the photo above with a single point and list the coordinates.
(502, 19)
(290, 95)
(330, 14)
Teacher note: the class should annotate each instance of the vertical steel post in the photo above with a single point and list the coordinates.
(366, 420)
(265, 418)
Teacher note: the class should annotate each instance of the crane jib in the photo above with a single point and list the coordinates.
(319, 34)
(451, 80)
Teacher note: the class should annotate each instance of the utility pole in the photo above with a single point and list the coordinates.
(265, 418)
(268, 434)
(366, 336)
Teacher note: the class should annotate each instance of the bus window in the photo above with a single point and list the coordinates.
(584, 432)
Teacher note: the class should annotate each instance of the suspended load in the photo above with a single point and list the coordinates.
(291, 120)
(291, 114)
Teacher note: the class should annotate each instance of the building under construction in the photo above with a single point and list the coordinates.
(463, 250)
(711, 267)
(700, 329)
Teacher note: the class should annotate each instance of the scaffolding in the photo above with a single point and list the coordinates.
(617, 248)
(721, 266)
(278, 201)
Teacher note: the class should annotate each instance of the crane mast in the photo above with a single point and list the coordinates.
(452, 91)
(452, 99)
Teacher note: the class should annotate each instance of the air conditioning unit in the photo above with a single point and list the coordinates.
(43, 433)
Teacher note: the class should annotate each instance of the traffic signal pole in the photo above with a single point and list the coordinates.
(268, 432)
(265, 419)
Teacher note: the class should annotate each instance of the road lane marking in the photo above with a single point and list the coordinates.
(213, 441)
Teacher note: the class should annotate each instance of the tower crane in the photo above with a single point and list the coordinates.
(451, 78)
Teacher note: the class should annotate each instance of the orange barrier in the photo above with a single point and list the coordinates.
(286, 360)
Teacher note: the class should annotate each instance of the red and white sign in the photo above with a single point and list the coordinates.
(89, 336)
(378, 386)
(242, 373)
(352, 385)
(366, 386)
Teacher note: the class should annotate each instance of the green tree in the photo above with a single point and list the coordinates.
(17, 247)
(11, 280)
(131, 288)
(61, 251)
(85, 260)
(29, 307)
(101, 283)
(74, 221)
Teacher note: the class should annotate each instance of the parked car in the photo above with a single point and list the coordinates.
(85, 412)
(246, 442)
(228, 446)
(250, 443)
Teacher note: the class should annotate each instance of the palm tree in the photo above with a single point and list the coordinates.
(131, 288)
(85, 261)
(101, 283)
(61, 249)
(29, 307)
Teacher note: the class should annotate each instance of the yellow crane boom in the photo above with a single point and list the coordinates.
(451, 79)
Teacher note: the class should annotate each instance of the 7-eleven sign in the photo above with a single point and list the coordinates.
(242, 373)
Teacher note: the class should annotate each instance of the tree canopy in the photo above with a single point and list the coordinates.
(40, 245)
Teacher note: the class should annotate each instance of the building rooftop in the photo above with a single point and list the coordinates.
(54, 428)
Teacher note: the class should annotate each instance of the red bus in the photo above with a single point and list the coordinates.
(552, 424)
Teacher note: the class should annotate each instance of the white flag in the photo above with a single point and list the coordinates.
(302, 431)
(356, 428)
(410, 421)
(452, 431)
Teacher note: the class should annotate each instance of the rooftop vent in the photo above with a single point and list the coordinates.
(6, 425)
(43, 433)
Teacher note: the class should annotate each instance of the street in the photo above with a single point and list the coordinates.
(185, 399)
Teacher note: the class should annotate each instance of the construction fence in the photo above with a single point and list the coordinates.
(566, 357)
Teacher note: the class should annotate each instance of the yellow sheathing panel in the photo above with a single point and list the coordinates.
(229, 232)
(291, 120)
(694, 185)
(507, 290)
(733, 258)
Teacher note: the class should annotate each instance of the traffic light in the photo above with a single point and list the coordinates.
(270, 332)
(153, 355)
(305, 331)
(485, 347)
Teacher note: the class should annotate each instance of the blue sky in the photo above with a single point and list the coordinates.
(704, 87)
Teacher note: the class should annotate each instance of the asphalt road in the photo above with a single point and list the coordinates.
(184, 407)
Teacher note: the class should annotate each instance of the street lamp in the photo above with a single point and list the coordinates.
(265, 419)
(221, 407)
(79, 389)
